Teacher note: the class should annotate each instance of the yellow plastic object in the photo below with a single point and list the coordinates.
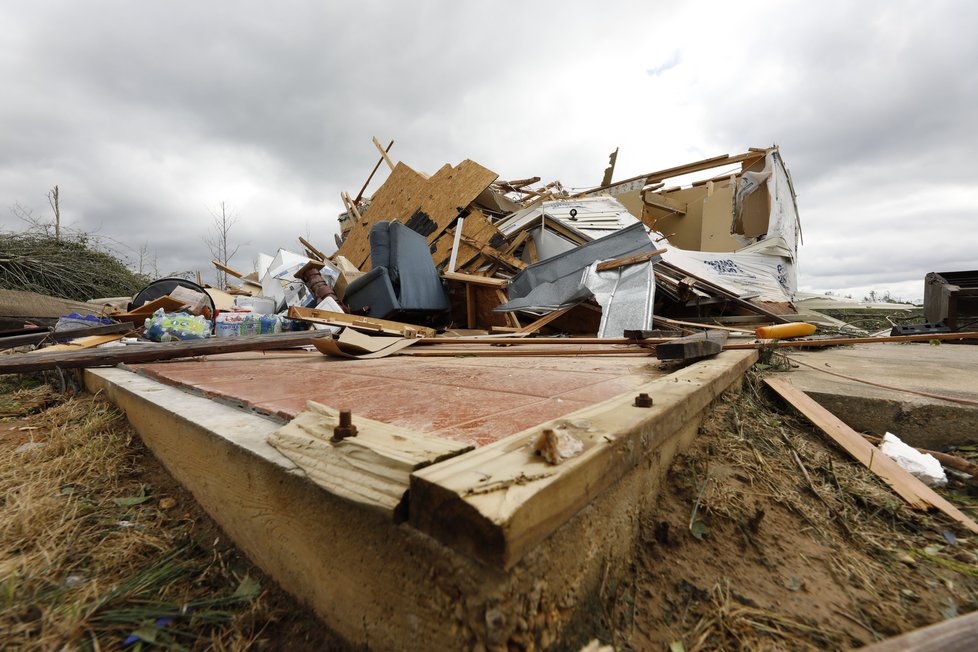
(785, 331)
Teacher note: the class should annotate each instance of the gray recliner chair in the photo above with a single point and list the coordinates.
(403, 283)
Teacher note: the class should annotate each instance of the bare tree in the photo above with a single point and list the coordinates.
(218, 243)
(56, 207)
(37, 224)
(148, 262)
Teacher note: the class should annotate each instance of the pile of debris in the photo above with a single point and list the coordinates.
(643, 261)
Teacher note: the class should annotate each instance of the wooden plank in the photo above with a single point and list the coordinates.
(316, 252)
(916, 493)
(510, 317)
(366, 183)
(679, 322)
(372, 468)
(428, 206)
(531, 250)
(485, 281)
(517, 339)
(80, 343)
(692, 347)
(499, 501)
(383, 153)
(629, 260)
(152, 352)
(959, 634)
(359, 322)
(688, 168)
(226, 269)
(543, 321)
(496, 352)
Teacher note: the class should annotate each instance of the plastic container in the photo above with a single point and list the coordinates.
(236, 324)
(168, 327)
(785, 331)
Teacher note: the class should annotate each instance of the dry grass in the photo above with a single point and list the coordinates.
(90, 556)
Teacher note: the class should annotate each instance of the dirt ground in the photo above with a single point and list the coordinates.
(765, 537)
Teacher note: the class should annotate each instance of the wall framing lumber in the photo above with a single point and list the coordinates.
(500, 501)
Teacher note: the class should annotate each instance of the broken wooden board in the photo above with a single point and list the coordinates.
(916, 493)
(628, 260)
(477, 232)
(81, 342)
(139, 314)
(692, 347)
(499, 283)
(372, 468)
(354, 345)
(152, 352)
(498, 502)
(428, 206)
(330, 318)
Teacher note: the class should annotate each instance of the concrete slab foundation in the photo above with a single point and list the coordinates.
(926, 422)
(422, 584)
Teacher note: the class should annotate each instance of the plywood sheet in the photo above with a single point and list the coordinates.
(428, 206)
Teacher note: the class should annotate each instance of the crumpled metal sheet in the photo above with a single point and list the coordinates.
(559, 281)
(626, 296)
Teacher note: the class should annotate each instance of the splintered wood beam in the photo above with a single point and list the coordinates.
(500, 501)
(372, 468)
(226, 269)
(916, 493)
(629, 260)
(383, 152)
(372, 173)
(316, 252)
(692, 347)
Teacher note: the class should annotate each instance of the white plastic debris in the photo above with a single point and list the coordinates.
(923, 466)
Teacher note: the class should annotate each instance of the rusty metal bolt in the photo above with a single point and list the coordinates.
(345, 428)
(643, 400)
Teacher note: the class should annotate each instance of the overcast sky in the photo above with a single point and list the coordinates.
(149, 115)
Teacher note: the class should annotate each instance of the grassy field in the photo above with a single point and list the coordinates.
(100, 549)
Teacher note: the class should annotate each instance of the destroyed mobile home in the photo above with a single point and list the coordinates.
(480, 400)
